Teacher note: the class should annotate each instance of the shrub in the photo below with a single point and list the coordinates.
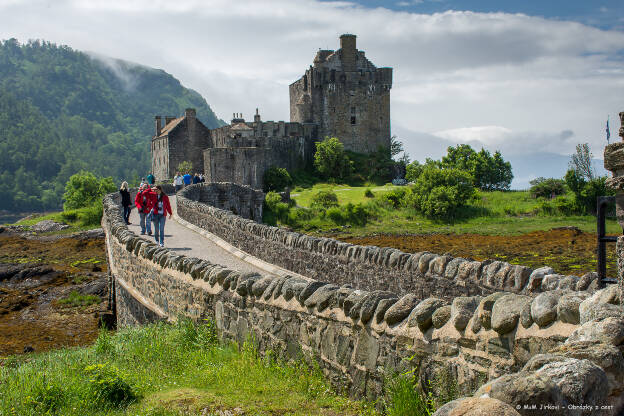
(46, 399)
(547, 188)
(323, 200)
(276, 179)
(84, 189)
(278, 209)
(393, 197)
(108, 387)
(330, 159)
(185, 167)
(440, 193)
(356, 214)
(368, 193)
(336, 215)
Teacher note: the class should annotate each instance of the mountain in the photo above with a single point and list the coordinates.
(63, 110)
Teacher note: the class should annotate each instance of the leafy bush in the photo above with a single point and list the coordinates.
(185, 167)
(394, 197)
(488, 172)
(356, 214)
(368, 193)
(440, 193)
(413, 171)
(336, 215)
(83, 189)
(108, 387)
(323, 200)
(276, 179)
(547, 188)
(331, 161)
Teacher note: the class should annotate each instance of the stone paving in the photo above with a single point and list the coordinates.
(190, 243)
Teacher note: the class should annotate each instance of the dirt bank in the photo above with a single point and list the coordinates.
(37, 276)
(568, 251)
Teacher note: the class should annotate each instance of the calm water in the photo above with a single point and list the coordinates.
(10, 218)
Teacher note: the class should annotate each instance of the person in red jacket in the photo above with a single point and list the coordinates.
(159, 207)
(143, 203)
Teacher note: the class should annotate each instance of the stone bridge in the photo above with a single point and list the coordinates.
(502, 333)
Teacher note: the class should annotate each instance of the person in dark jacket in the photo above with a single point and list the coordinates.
(159, 207)
(142, 202)
(126, 202)
(196, 179)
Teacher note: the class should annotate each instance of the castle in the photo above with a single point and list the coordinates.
(341, 95)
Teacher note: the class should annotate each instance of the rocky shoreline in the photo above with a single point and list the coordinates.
(53, 289)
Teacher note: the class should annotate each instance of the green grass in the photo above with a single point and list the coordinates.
(78, 219)
(165, 369)
(75, 299)
(345, 193)
(491, 213)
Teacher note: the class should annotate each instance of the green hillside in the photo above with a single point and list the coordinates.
(62, 110)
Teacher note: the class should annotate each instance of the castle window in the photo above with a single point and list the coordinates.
(352, 119)
(352, 110)
(305, 82)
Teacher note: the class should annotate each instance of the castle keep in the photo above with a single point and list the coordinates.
(341, 95)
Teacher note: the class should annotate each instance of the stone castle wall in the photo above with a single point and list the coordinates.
(360, 337)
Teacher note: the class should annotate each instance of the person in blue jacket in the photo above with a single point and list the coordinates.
(187, 179)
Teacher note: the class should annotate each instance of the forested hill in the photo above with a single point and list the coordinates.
(62, 111)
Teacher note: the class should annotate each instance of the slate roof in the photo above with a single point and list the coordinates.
(170, 126)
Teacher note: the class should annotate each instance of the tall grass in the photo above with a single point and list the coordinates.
(165, 369)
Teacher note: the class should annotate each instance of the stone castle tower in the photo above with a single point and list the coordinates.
(346, 96)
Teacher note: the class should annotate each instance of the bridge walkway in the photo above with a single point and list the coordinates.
(186, 239)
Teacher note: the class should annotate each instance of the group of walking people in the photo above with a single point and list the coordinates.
(180, 181)
(153, 206)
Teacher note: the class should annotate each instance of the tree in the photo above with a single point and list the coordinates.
(488, 172)
(547, 188)
(581, 162)
(276, 179)
(330, 159)
(396, 146)
(85, 189)
(185, 167)
(413, 171)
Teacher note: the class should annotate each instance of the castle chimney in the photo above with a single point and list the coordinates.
(257, 117)
(190, 113)
(348, 52)
(169, 119)
(158, 126)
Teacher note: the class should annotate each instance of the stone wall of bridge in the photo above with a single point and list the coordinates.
(510, 346)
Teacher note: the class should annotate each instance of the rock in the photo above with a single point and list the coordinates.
(544, 308)
(352, 300)
(568, 283)
(506, 312)
(96, 287)
(258, 288)
(585, 280)
(525, 316)
(369, 305)
(540, 360)
(476, 406)
(568, 307)
(522, 389)
(462, 309)
(321, 298)
(310, 288)
(609, 330)
(551, 282)
(521, 277)
(401, 309)
(47, 226)
(601, 311)
(421, 315)
(608, 295)
(607, 357)
(580, 381)
(441, 316)
(535, 279)
(382, 307)
(484, 311)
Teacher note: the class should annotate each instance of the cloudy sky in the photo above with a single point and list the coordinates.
(529, 79)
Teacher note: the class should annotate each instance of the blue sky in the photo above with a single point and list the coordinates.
(604, 14)
(531, 79)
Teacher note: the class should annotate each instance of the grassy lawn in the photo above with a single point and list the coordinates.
(491, 213)
(165, 369)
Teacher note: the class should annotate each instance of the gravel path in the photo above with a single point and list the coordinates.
(190, 243)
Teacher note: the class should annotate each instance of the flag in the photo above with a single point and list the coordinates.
(608, 132)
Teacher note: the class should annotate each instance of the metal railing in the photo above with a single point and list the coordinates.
(601, 211)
